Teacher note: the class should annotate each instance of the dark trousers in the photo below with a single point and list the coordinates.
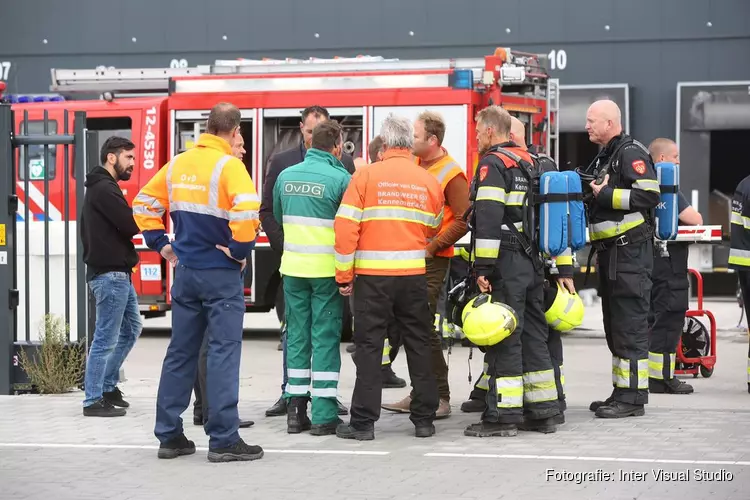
(669, 303)
(555, 348)
(378, 301)
(200, 407)
(744, 278)
(625, 289)
(521, 377)
(203, 299)
(437, 270)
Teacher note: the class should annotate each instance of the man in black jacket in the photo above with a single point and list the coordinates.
(107, 229)
(311, 116)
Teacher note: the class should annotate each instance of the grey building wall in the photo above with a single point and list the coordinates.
(649, 44)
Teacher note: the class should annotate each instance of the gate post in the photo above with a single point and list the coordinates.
(8, 207)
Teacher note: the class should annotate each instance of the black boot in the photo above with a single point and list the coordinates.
(278, 409)
(669, 386)
(595, 405)
(296, 416)
(390, 380)
(325, 429)
(543, 425)
(346, 431)
(473, 406)
(491, 429)
(618, 409)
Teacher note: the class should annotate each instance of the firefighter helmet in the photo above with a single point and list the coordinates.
(562, 309)
(487, 323)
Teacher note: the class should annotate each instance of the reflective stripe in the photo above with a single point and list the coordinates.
(562, 378)
(144, 210)
(656, 365)
(386, 359)
(539, 386)
(243, 197)
(739, 257)
(740, 220)
(388, 255)
(150, 205)
(297, 390)
(489, 193)
(170, 167)
(486, 248)
(327, 392)
(349, 212)
(297, 373)
(565, 258)
(510, 392)
(308, 249)
(647, 185)
(610, 229)
(321, 376)
(344, 262)
(306, 221)
(515, 198)
(213, 188)
(621, 199)
(445, 171)
(404, 214)
(517, 225)
(620, 372)
(381, 259)
(484, 380)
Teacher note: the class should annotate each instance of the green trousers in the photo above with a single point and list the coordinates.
(314, 308)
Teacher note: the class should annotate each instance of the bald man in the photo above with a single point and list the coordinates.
(564, 265)
(623, 195)
(669, 295)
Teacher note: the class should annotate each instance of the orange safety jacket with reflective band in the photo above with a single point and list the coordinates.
(445, 170)
(388, 211)
(211, 200)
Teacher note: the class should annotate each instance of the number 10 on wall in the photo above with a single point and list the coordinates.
(558, 59)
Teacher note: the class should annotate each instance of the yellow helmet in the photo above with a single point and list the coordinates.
(563, 310)
(485, 322)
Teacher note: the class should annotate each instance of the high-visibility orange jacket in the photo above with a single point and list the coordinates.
(212, 201)
(445, 170)
(388, 211)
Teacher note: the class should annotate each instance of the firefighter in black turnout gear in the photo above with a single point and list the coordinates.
(669, 294)
(561, 271)
(624, 193)
(521, 385)
(739, 251)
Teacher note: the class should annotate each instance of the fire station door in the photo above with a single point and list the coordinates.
(187, 126)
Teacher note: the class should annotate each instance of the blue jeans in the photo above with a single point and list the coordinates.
(118, 325)
(204, 302)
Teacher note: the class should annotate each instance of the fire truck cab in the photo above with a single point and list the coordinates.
(163, 111)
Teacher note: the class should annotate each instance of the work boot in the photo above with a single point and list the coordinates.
(239, 452)
(103, 408)
(669, 386)
(114, 397)
(491, 429)
(390, 380)
(473, 406)
(444, 409)
(325, 429)
(278, 409)
(618, 409)
(342, 410)
(424, 431)
(296, 416)
(402, 406)
(176, 447)
(346, 431)
(595, 405)
(543, 425)
(559, 419)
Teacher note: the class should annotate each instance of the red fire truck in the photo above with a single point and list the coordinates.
(164, 110)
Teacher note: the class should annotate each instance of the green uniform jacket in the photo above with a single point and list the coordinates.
(306, 197)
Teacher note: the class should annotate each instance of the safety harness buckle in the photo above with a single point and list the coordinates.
(622, 240)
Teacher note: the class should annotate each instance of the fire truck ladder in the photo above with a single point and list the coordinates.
(156, 80)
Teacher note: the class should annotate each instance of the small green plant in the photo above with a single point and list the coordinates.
(57, 365)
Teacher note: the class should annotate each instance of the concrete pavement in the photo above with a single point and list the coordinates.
(47, 447)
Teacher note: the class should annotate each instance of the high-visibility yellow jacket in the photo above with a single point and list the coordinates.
(212, 201)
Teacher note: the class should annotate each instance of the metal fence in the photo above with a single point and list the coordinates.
(41, 255)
